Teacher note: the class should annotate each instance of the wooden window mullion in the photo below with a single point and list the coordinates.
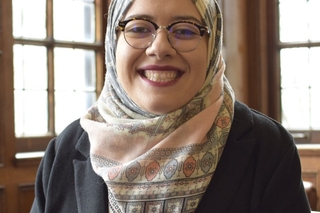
(50, 46)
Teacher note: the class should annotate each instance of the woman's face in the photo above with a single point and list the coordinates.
(159, 79)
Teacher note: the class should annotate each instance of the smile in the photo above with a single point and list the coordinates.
(161, 76)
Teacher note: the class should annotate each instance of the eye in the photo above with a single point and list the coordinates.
(139, 29)
(185, 31)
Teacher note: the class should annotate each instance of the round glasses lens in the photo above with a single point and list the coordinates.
(184, 36)
(139, 33)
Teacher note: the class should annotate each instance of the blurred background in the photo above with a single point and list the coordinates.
(52, 69)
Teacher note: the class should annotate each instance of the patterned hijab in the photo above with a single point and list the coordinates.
(153, 163)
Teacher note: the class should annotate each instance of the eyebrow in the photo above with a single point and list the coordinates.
(174, 18)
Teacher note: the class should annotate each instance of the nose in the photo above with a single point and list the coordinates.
(161, 47)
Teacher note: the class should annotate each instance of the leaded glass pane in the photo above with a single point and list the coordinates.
(31, 114)
(314, 68)
(296, 108)
(29, 18)
(300, 74)
(315, 107)
(30, 84)
(294, 67)
(30, 67)
(314, 17)
(74, 69)
(75, 81)
(71, 105)
(76, 26)
(299, 20)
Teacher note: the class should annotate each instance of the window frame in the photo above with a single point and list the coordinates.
(39, 143)
(6, 84)
(300, 136)
(264, 64)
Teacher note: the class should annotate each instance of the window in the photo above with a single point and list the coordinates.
(29, 36)
(58, 65)
(299, 54)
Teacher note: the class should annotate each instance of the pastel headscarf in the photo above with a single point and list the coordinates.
(143, 158)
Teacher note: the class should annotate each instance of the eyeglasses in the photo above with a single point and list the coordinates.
(184, 36)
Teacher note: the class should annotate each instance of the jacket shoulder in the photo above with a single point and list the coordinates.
(259, 124)
(71, 138)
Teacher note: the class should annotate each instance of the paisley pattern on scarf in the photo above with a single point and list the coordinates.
(153, 163)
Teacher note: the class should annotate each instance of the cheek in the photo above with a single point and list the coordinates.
(199, 65)
(122, 58)
(199, 70)
(202, 60)
(120, 51)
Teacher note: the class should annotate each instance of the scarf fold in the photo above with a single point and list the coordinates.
(153, 163)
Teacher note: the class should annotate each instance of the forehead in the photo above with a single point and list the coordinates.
(163, 9)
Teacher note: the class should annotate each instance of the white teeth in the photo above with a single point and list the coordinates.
(163, 76)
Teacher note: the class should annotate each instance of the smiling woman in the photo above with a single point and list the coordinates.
(248, 154)
(166, 134)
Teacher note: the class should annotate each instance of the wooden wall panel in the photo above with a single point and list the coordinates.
(235, 49)
(310, 163)
(2, 86)
(310, 176)
(2, 201)
(25, 197)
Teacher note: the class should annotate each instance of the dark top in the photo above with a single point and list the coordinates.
(259, 172)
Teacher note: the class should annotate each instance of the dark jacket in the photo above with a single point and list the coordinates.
(259, 172)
